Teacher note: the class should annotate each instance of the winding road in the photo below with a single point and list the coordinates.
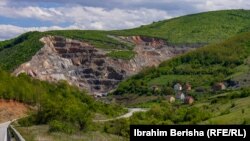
(3, 131)
(4, 126)
(127, 115)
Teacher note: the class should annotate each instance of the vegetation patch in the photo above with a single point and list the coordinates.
(126, 54)
(63, 107)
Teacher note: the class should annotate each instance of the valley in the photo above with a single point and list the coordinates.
(92, 85)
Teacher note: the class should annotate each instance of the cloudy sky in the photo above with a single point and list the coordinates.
(19, 16)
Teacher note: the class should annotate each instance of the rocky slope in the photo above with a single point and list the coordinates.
(87, 67)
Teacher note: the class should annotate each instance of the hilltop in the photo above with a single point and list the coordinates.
(196, 29)
(200, 28)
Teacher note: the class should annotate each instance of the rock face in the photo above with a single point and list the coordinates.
(87, 67)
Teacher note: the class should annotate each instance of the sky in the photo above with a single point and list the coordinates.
(20, 16)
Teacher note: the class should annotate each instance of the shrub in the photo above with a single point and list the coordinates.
(59, 126)
(27, 121)
(118, 127)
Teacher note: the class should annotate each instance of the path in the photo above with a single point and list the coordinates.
(127, 115)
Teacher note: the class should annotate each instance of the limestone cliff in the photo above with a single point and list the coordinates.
(87, 67)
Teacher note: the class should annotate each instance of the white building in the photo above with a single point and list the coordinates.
(177, 87)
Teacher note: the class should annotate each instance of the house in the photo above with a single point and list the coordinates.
(180, 96)
(189, 100)
(187, 87)
(170, 98)
(177, 87)
(219, 86)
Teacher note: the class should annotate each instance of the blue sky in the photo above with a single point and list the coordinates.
(19, 16)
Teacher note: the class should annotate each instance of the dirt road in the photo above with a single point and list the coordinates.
(127, 115)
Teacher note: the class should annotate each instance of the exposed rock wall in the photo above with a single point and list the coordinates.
(87, 67)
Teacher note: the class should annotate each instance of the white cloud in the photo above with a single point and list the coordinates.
(10, 31)
(99, 18)
(208, 5)
(45, 14)
(80, 18)
(3, 2)
(97, 14)
(90, 17)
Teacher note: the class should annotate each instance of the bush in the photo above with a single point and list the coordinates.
(126, 54)
(225, 112)
(214, 101)
(118, 127)
(59, 126)
(27, 121)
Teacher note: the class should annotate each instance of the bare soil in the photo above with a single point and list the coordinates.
(10, 110)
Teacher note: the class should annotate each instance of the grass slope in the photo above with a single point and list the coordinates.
(41, 132)
(199, 28)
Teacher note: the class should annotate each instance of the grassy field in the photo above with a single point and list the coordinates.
(196, 80)
(41, 133)
(243, 74)
(235, 112)
(227, 111)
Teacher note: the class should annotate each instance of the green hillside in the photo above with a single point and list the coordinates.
(59, 107)
(195, 29)
(201, 68)
(63, 107)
